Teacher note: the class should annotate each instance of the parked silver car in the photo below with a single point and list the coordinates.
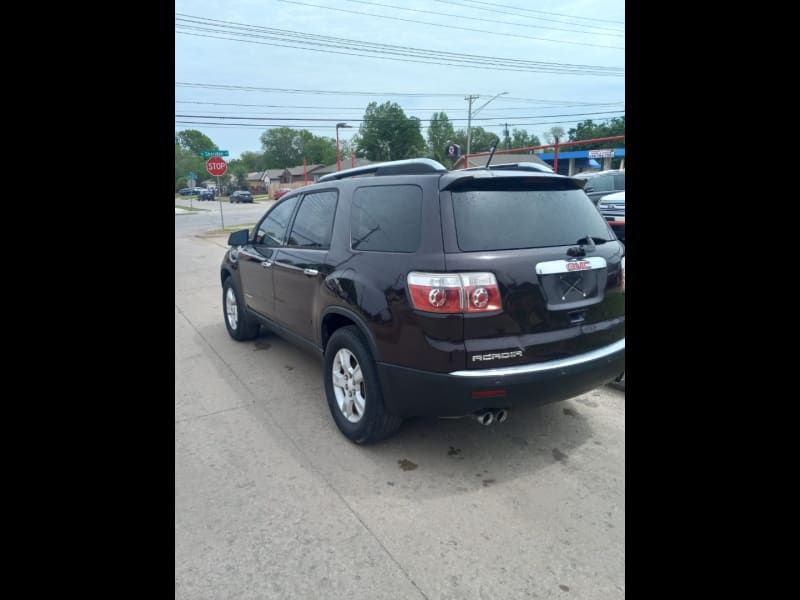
(602, 183)
(612, 207)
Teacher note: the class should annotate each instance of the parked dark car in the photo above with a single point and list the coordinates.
(281, 193)
(241, 196)
(430, 292)
(186, 191)
(206, 195)
(602, 183)
(612, 207)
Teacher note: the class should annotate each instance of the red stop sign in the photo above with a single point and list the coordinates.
(216, 166)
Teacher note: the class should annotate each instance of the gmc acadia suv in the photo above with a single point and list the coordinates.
(435, 292)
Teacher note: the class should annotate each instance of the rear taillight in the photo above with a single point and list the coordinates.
(454, 292)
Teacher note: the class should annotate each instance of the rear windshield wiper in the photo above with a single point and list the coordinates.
(584, 244)
(591, 241)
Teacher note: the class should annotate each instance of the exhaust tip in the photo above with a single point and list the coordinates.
(501, 416)
(485, 418)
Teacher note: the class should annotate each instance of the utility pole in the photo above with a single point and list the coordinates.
(469, 119)
(469, 123)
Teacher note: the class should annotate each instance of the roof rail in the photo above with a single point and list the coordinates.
(409, 166)
(517, 166)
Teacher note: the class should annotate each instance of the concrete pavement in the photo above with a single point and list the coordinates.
(271, 501)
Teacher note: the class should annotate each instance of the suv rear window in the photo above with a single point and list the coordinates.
(505, 219)
(386, 218)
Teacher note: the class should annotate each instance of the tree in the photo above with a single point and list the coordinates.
(587, 130)
(252, 161)
(279, 147)
(238, 176)
(320, 151)
(285, 147)
(386, 133)
(194, 141)
(440, 133)
(554, 132)
(347, 148)
(482, 140)
(186, 162)
(520, 138)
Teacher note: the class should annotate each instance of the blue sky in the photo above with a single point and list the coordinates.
(559, 62)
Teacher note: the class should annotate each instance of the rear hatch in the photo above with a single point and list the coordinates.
(556, 263)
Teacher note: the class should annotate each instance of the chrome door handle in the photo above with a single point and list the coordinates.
(310, 272)
(266, 264)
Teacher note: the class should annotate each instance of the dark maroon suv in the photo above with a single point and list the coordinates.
(435, 292)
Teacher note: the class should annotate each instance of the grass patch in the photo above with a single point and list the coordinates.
(191, 208)
(228, 229)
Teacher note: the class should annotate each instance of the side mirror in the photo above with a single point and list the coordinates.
(239, 238)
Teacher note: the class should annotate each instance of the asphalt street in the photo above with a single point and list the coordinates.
(271, 501)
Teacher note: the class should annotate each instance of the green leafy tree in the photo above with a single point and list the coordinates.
(440, 133)
(238, 176)
(587, 130)
(482, 140)
(285, 147)
(238, 168)
(252, 161)
(520, 138)
(279, 147)
(187, 162)
(320, 150)
(194, 141)
(386, 133)
(347, 148)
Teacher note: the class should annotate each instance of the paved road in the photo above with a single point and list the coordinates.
(271, 501)
(209, 215)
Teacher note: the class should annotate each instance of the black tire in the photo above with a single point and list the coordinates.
(368, 420)
(241, 326)
(619, 382)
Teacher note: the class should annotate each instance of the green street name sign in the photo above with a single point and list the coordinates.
(210, 153)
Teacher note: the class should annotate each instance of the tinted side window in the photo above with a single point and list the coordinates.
(386, 218)
(314, 221)
(619, 182)
(272, 229)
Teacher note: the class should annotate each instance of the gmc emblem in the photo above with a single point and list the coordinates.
(580, 265)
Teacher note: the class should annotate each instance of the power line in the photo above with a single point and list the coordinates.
(378, 119)
(333, 45)
(248, 88)
(482, 6)
(504, 34)
(614, 29)
(233, 28)
(318, 44)
(263, 126)
(361, 108)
